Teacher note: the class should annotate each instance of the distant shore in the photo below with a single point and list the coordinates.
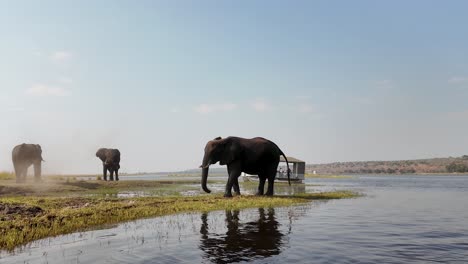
(419, 166)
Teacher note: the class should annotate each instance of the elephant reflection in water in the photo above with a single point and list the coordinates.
(242, 241)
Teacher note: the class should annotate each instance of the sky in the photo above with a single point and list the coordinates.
(326, 80)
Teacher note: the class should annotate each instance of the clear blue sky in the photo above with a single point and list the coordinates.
(326, 80)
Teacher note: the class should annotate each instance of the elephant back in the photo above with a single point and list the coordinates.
(27, 152)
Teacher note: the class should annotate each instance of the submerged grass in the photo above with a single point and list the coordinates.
(25, 219)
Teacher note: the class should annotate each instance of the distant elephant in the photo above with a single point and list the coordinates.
(256, 156)
(110, 162)
(25, 155)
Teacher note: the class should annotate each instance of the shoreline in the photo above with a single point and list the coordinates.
(34, 211)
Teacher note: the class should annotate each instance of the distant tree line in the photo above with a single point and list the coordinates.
(435, 165)
(381, 171)
(457, 167)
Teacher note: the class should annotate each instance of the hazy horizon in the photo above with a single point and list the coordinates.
(358, 81)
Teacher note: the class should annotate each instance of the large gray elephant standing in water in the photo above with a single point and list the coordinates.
(256, 156)
(110, 162)
(25, 155)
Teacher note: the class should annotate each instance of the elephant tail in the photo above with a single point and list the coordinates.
(287, 164)
(285, 158)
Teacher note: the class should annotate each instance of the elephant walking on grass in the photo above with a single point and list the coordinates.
(25, 155)
(110, 162)
(256, 156)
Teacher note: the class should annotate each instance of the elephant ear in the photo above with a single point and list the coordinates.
(39, 150)
(231, 153)
(101, 154)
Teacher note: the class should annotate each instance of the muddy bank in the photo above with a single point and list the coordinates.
(10, 211)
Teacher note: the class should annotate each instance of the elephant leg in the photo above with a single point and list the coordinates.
(117, 175)
(233, 175)
(17, 172)
(271, 183)
(23, 172)
(111, 174)
(261, 184)
(236, 183)
(236, 186)
(37, 171)
(270, 189)
(104, 172)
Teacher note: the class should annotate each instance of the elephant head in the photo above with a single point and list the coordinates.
(109, 157)
(38, 151)
(218, 149)
(38, 160)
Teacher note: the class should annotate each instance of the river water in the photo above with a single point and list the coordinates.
(401, 219)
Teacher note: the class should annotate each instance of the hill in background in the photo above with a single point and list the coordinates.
(436, 165)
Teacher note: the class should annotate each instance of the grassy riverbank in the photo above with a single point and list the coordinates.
(6, 176)
(33, 211)
(53, 186)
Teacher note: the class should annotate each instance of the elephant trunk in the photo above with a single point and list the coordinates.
(37, 170)
(204, 179)
(205, 167)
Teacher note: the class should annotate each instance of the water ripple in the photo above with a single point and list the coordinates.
(404, 219)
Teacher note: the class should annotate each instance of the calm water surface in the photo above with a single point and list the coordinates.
(402, 219)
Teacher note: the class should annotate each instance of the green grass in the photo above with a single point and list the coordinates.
(34, 218)
(6, 176)
(61, 205)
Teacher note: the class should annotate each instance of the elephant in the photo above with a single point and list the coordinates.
(256, 156)
(25, 155)
(110, 162)
(242, 242)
